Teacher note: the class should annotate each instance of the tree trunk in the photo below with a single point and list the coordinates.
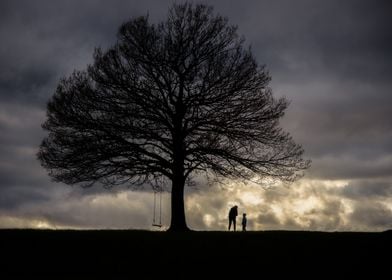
(178, 221)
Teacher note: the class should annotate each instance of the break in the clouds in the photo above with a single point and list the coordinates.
(332, 59)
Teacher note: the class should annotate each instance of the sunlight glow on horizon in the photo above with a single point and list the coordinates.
(305, 205)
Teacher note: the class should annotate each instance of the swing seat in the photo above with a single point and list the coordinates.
(156, 225)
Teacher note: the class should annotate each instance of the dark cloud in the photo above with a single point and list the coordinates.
(367, 189)
(330, 58)
(345, 167)
(13, 198)
(46, 40)
(372, 215)
(324, 37)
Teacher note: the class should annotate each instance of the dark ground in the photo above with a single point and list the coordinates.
(112, 253)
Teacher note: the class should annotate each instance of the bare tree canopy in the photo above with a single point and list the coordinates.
(170, 99)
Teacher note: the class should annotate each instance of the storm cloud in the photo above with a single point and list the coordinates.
(331, 59)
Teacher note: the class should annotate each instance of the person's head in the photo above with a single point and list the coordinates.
(244, 214)
(235, 206)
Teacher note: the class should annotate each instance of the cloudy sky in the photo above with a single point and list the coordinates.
(332, 59)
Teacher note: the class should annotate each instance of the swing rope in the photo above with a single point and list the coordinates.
(160, 207)
(154, 220)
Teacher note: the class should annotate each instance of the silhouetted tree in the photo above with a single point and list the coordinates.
(169, 100)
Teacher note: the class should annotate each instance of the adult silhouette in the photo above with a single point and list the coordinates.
(232, 216)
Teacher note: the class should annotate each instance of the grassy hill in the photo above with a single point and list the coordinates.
(131, 252)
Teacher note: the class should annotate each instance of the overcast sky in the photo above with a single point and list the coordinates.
(332, 59)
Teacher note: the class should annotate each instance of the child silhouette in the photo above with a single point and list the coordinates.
(244, 220)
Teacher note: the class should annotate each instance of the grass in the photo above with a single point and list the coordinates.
(130, 252)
